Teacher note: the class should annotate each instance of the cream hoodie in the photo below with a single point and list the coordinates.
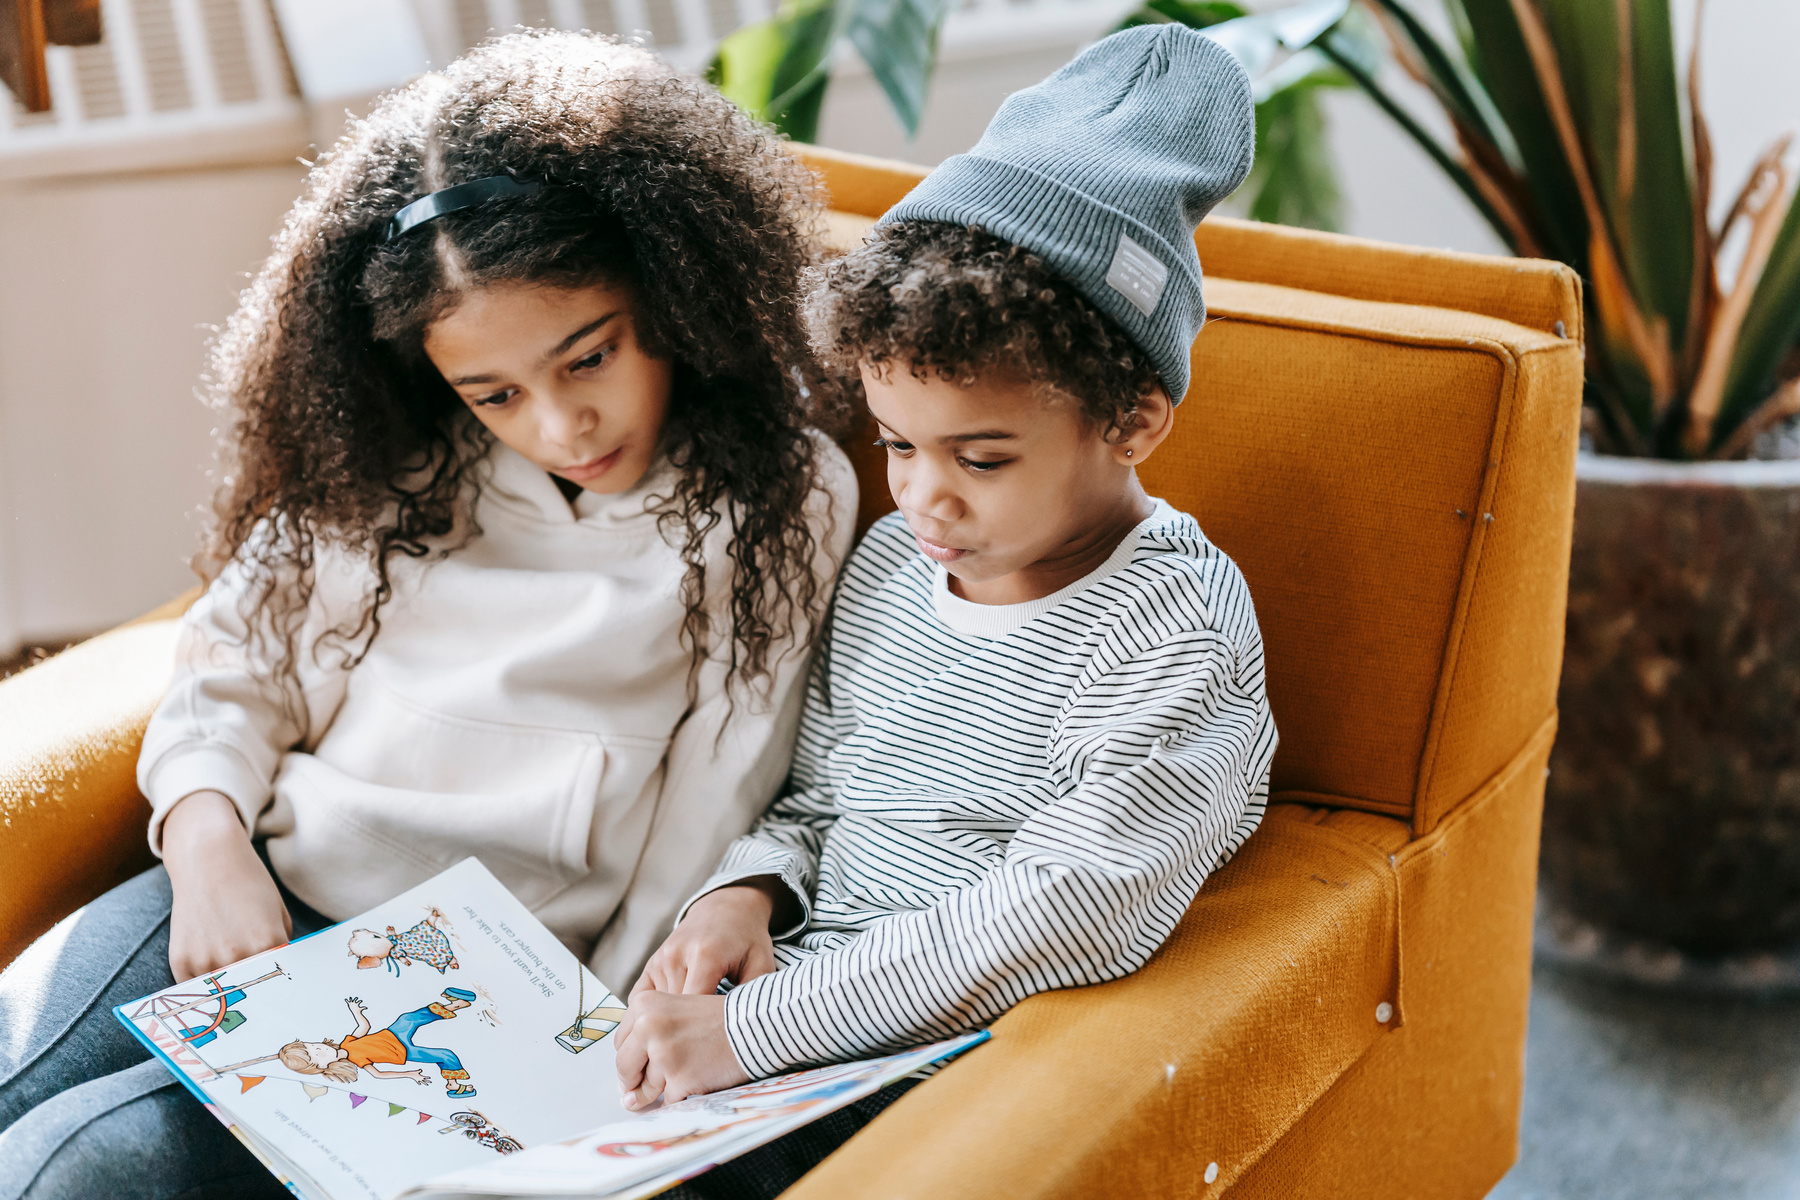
(520, 704)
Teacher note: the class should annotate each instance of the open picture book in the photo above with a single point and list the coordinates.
(447, 1044)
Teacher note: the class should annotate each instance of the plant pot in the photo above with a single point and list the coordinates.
(1673, 806)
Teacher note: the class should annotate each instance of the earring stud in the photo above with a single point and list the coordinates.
(1128, 454)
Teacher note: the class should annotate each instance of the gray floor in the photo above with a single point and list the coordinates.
(1631, 1095)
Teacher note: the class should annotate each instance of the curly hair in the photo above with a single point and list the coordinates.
(343, 432)
(956, 301)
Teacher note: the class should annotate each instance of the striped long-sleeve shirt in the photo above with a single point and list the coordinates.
(992, 801)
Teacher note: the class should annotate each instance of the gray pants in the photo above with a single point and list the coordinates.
(84, 1109)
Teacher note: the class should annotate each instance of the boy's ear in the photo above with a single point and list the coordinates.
(1155, 421)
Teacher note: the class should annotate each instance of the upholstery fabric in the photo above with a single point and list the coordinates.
(1355, 585)
(71, 818)
(1528, 292)
(1349, 399)
(1432, 1110)
(1264, 995)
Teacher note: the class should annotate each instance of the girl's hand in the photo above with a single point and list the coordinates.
(674, 1047)
(724, 935)
(226, 904)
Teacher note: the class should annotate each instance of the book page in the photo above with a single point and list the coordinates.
(444, 1029)
(644, 1153)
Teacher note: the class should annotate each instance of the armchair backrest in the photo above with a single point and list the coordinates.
(1384, 439)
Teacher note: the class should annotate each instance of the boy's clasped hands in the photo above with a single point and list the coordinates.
(672, 1042)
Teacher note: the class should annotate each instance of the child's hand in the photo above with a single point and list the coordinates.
(674, 1047)
(226, 904)
(724, 935)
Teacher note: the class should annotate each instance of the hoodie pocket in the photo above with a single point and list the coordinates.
(395, 783)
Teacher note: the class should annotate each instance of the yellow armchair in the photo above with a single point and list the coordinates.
(1384, 439)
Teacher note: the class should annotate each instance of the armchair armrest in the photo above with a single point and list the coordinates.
(1271, 987)
(71, 818)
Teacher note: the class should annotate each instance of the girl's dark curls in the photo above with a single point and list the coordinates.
(341, 429)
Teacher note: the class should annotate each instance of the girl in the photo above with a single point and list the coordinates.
(364, 1047)
(526, 522)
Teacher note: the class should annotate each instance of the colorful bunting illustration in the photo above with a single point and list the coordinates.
(315, 1090)
(473, 1124)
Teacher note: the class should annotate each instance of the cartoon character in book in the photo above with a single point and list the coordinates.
(366, 1047)
(424, 942)
(477, 1128)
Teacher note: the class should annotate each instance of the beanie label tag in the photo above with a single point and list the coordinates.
(1137, 275)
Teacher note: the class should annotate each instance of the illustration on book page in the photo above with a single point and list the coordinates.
(481, 1036)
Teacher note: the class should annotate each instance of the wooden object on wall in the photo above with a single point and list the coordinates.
(71, 22)
(26, 28)
(22, 41)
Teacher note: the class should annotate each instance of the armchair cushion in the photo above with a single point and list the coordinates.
(71, 818)
(1389, 478)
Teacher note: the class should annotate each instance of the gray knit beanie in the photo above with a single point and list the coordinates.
(1104, 169)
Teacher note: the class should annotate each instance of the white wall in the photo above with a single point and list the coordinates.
(107, 289)
(107, 285)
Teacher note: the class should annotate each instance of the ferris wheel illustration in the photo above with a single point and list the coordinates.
(200, 1017)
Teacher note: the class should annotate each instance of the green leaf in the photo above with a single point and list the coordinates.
(798, 120)
(898, 39)
(1644, 187)
(1496, 52)
(743, 68)
(1770, 330)
(1257, 41)
(1199, 14)
(1294, 181)
(1346, 54)
(809, 30)
(1659, 247)
(777, 70)
(1451, 81)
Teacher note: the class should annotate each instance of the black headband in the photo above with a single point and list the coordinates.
(453, 199)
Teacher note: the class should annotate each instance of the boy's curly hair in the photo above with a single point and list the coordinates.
(344, 432)
(955, 300)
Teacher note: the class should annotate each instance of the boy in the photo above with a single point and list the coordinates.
(1037, 718)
